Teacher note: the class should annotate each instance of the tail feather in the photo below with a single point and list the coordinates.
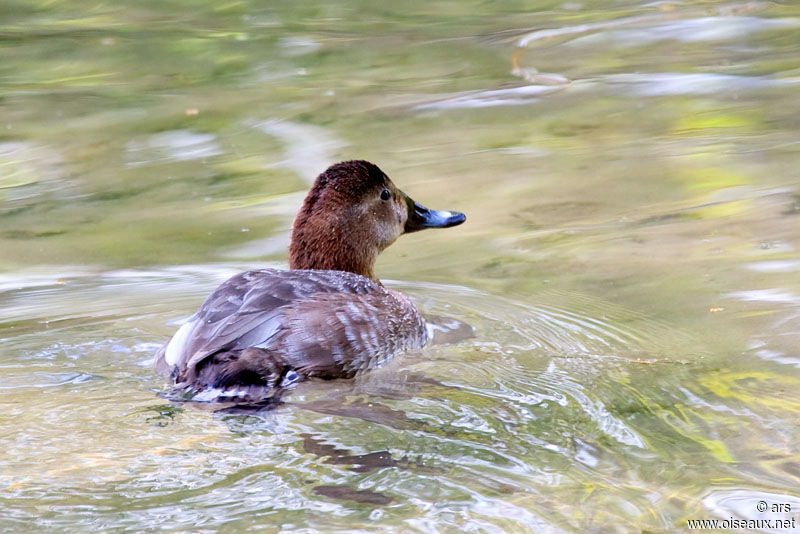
(248, 375)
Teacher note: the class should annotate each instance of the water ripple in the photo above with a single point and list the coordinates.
(483, 425)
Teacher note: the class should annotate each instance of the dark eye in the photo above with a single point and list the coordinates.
(385, 194)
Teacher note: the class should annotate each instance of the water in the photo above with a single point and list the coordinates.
(629, 263)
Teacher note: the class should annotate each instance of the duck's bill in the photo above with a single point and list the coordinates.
(420, 217)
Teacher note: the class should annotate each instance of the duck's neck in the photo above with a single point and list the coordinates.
(328, 251)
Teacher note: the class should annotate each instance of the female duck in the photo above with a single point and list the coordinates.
(327, 317)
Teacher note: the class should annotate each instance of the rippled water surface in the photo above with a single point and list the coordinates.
(629, 263)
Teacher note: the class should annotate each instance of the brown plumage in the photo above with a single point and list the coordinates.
(342, 225)
(327, 317)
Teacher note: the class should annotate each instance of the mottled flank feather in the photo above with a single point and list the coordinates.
(260, 325)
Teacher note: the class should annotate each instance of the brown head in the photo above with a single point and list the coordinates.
(352, 212)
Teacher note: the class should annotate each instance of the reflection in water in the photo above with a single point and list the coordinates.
(350, 494)
(307, 149)
(672, 83)
(637, 31)
(28, 171)
(497, 97)
(176, 145)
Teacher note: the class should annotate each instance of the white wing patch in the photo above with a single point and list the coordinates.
(177, 344)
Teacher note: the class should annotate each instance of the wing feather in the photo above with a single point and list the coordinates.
(253, 309)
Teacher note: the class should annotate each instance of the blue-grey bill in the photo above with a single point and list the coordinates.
(420, 217)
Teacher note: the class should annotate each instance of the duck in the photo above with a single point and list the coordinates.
(328, 316)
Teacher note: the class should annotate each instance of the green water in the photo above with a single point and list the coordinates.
(631, 177)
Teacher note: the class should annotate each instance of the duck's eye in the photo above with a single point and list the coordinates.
(385, 194)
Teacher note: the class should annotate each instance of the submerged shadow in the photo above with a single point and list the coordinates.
(361, 463)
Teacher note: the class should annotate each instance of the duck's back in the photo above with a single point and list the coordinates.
(262, 327)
